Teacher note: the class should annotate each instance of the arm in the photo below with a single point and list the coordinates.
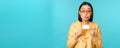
(97, 39)
(71, 37)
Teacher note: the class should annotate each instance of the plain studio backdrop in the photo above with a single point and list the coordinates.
(45, 23)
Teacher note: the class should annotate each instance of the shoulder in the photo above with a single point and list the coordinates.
(95, 24)
(76, 23)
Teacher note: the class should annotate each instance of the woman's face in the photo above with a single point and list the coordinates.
(85, 12)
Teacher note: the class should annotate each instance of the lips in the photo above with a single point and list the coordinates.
(85, 17)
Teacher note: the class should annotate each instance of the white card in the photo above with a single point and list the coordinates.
(85, 26)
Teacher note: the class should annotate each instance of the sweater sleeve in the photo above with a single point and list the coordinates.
(71, 37)
(98, 42)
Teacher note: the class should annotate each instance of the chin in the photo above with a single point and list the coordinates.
(86, 19)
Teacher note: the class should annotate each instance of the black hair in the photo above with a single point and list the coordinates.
(79, 16)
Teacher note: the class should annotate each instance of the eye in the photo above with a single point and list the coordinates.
(89, 11)
(82, 11)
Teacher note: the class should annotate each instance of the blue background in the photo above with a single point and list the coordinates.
(45, 23)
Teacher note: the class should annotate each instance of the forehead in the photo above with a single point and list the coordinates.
(85, 7)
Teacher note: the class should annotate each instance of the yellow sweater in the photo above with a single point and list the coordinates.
(84, 41)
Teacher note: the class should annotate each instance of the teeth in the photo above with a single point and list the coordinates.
(85, 26)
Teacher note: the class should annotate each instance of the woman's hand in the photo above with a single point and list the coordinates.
(92, 33)
(79, 33)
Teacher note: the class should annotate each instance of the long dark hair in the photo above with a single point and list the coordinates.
(79, 16)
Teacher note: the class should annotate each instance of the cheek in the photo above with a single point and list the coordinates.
(89, 15)
(81, 14)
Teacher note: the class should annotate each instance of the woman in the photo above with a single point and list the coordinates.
(84, 33)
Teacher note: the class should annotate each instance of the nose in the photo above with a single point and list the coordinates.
(85, 13)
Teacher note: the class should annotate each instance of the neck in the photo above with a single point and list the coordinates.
(85, 22)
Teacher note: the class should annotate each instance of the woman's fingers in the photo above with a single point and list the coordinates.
(78, 33)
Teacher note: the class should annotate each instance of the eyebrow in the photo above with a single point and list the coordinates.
(87, 9)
